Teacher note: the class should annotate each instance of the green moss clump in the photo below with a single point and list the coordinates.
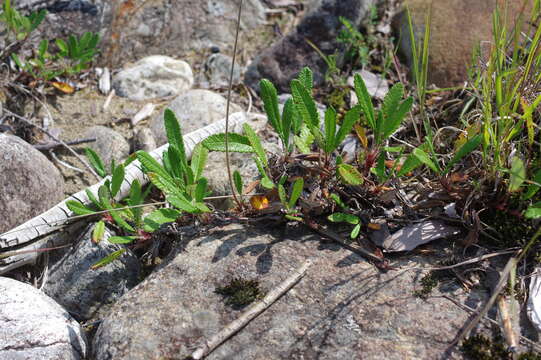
(479, 347)
(240, 292)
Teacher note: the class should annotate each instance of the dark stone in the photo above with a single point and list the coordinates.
(83, 291)
(344, 307)
(283, 61)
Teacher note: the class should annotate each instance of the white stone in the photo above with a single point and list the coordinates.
(154, 77)
(34, 326)
(195, 109)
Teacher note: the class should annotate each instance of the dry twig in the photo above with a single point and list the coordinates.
(251, 313)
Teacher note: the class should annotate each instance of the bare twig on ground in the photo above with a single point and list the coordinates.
(79, 157)
(504, 276)
(54, 145)
(251, 313)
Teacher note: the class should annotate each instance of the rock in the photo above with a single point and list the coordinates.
(144, 140)
(342, 308)
(153, 77)
(282, 62)
(179, 28)
(33, 326)
(218, 71)
(216, 171)
(194, 109)
(85, 292)
(451, 33)
(377, 86)
(109, 144)
(29, 182)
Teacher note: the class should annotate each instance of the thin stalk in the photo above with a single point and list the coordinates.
(227, 159)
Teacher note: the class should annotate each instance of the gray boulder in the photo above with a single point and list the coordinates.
(109, 144)
(29, 182)
(282, 62)
(33, 326)
(83, 291)
(344, 308)
(194, 109)
(154, 77)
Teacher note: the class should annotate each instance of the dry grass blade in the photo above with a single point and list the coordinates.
(251, 313)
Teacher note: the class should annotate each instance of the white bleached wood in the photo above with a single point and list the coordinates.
(50, 220)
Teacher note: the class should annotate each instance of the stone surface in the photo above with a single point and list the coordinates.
(33, 326)
(153, 77)
(195, 109)
(283, 61)
(144, 140)
(29, 182)
(217, 72)
(109, 144)
(83, 291)
(456, 28)
(216, 171)
(179, 28)
(344, 308)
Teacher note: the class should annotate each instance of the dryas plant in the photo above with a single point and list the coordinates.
(181, 182)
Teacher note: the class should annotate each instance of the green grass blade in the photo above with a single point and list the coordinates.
(464, 150)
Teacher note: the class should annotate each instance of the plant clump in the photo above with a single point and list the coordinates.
(240, 292)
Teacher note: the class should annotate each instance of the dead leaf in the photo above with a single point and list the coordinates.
(410, 237)
(259, 202)
(63, 87)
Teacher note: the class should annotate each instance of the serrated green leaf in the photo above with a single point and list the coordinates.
(341, 217)
(304, 140)
(267, 183)
(93, 198)
(379, 170)
(410, 164)
(330, 130)
(288, 122)
(122, 239)
(200, 190)
(108, 259)
(150, 164)
(464, 150)
(166, 185)
(78, 209)
(117, 179)
(174, 162)
(237, 143)
(518, 174)
(365, 101)
(256, 144)
(306, 78)
(533, 188)
(356, 230)
(298, 186)
(425, 159)
(237, 180)
(155, 219)
(393, 121)
(351, 117)
(98, 232)
(350, 175)
(96, 162)
(174, 135)
(337, 200)
(269, 96)
(199, 160)
(305, 104)
(282, 194)
(533, 211)
(180, 202)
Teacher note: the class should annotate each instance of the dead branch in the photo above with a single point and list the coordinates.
(256, 309)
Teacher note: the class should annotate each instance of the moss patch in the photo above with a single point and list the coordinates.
(240, 292)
